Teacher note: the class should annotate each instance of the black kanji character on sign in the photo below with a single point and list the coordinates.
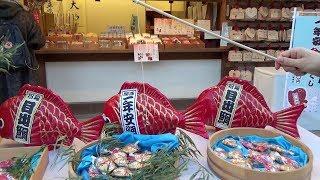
(231, 86)
(133, 129)
(30, 96)
(74, 5)
(24, 119)
(237, 87)
(316, 41)
(316, 31)
(128, 106)
(129, 97)
(140, 56)
(128, 128)
(22, 133)
(131, 93)
(231, 95)
(224, 118)
(128, 118)
(28, 107)
(317, 22)
(37, 97)
(228, 106)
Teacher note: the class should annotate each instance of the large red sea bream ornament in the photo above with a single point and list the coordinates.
(36, 116)
(237, 103)
(143, 109)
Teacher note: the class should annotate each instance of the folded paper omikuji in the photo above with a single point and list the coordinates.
(37, 116)
(143, 109)
(237, 103)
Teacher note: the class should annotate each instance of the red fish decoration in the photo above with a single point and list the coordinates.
(143, 109)
(297, 96)
(36, 116)
(237, 103)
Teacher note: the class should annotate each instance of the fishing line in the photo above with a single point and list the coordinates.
(143, 98)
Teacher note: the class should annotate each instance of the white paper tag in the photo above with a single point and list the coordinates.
(228, 105)
(224, 33)
(128, 111)
(146, 53)
(25, 116)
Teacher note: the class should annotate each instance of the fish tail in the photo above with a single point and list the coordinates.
(286, 120)
(194, 121)
(91, 129)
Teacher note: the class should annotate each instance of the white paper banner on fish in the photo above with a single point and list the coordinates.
(128, 111)
(228, 105)
(305, 89)
(25, 116)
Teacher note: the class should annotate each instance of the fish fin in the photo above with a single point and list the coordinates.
(49, 96)
(247, 87)
(91, 129)
(149, 90)
(194, 119)
(286, 120)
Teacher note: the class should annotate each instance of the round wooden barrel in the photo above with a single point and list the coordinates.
(226, 170)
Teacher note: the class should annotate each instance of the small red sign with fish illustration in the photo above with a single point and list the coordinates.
(297, 96)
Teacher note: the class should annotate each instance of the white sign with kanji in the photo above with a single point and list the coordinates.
(228, 105)
(25, 116)
(146, 53)
(305, 89)
(128, 111)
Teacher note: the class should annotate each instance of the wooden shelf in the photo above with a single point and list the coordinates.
(126, 51)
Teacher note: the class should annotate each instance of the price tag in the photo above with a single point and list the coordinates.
(146, 53)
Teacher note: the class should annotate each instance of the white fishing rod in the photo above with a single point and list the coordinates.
(203, 30)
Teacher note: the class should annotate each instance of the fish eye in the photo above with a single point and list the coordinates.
(1, 123)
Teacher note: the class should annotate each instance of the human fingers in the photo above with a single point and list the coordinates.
(294, 71)
(294, 53)
(277, 65)
(289, 62)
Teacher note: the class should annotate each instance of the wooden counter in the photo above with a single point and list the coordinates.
(59, 55)
(104, 55)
